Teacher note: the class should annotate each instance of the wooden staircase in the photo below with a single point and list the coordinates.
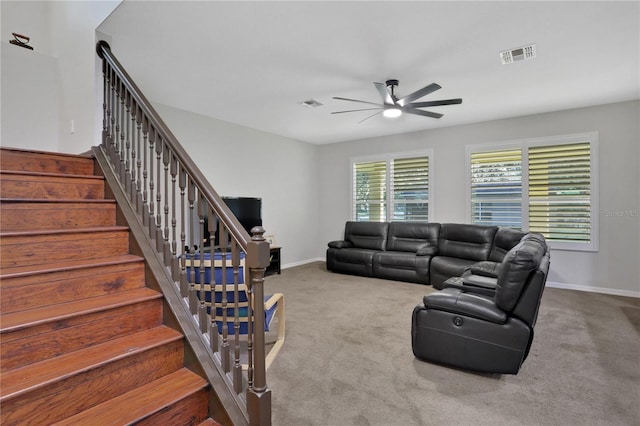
(82, 338)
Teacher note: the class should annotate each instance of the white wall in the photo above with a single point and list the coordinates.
(243, 162)
(615, 268)
(55, 81)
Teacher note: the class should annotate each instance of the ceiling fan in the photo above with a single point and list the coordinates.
(392, 106)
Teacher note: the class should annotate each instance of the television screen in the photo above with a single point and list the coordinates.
(248, 210)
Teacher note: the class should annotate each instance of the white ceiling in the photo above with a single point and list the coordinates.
(252, 63)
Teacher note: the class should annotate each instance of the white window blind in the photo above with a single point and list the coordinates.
(396, 188)
(370, 191)
(547, 185)
(560, 192)
(496, 188)
(410, 188)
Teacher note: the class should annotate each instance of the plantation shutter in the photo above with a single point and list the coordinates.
(560, 191)
(410, 188)
(496, 188)
(370, 191)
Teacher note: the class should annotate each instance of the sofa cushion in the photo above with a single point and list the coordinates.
(444, 267)
(465, 241)
(518, 264)
(411, 236)
(505, 239)
(402, 266)
(367, 235)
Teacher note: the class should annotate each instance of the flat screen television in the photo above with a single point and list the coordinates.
(248, 210)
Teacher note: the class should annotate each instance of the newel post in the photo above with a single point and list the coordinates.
(258, 395)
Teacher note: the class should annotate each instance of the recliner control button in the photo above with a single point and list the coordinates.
(457, 321)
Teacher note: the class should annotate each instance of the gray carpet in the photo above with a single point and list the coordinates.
(347, 360)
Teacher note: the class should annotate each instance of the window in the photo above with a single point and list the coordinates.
(559, 177)
(391, 188)
(496, 188)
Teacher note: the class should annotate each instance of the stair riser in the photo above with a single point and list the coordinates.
(33, 344)
(29, 250)
(48, 187)
(28, 216)
(44, 162)
(188, 411)
(35, 291)
(67, 397)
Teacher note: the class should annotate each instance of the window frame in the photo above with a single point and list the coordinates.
(524, 145)
(388, 158)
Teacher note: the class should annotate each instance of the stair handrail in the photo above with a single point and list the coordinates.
(175, 157)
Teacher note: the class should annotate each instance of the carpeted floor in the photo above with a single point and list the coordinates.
(347, 360)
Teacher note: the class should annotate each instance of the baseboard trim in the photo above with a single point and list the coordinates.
(612, 291)
(302, 262)
(553, 284)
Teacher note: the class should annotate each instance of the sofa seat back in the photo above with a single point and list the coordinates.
(518, 270)
(411, 236)
(463, 241)
(505, 239)
(367, 235)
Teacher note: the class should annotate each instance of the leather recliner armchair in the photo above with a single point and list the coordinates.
(479, 332)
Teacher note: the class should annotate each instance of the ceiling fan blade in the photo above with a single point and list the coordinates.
(418, 94)
(435, 103)
(355, 100)
(421, 112)
(386, 96)
(355, 110)
(373, 115)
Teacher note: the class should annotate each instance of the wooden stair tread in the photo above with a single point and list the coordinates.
(30, 232)
(51, 175)
(34, 376)
(27, 151)
(209, 422)
(58, 200)
(139, 403)
(28, 318)
(67, 265)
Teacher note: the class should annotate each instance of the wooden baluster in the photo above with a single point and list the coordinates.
(214, 336)
(224, 349)
(139, 151)
(166, 247)
(133, 110)
(175, 272)
(184, 286)
(116, 139)
(237, 367)
(145, 172)
(126, 180)
(105, 119)
(122, 120)
(152, 217)
(112, 118)
(203, 206)
(158, 224)
(193, 298)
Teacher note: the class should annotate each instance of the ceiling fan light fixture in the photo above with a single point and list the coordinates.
(392, 112)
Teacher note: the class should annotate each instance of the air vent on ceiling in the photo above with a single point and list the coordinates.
(518, 54)
(311, 103)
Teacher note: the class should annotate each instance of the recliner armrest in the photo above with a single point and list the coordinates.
(340, 244)
(472, 284)
(484, 268)
(473, 305)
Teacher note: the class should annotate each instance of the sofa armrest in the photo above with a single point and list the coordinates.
(426, 249)
(340, 244)
(485, 268)
(471, 305)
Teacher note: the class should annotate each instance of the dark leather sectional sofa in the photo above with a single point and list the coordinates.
(490, 278)
(420, 252)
